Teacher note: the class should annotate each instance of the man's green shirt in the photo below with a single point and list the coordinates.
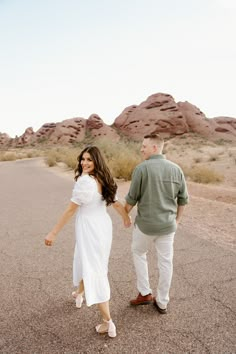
(158, 186)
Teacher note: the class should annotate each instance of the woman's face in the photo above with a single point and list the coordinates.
(87, 163)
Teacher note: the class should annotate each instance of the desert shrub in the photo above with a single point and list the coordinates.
(52, 157)
(19, 153)
(213, 157)
(69, 157)
(221, 142)
(197, 159)
(204, 175)
(8, 156)
(30, 154)
(50, 160)
(123, 165)
(121, 156)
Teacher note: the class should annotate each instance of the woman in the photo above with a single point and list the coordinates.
(93, 191)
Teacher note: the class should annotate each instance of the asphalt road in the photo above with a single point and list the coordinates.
(37, 313)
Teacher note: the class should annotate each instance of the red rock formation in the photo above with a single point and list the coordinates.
(161, 114)
(226, 124)
(68, 131)
(4, 139)
(98, 129)
(158, 114)
(26, 138)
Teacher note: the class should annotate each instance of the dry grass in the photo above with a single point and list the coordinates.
(64, 154)
(204, 161)
(201, 160)
(121, 157)
(8, 156)
(18, 154)
(203, 174)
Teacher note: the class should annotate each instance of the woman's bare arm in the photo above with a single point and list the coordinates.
(65, 217)
(121, 210)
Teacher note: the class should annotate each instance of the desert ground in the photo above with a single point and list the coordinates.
(37, 312)
(211, 212)
(212, 208)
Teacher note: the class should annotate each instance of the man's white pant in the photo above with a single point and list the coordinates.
(164, 248)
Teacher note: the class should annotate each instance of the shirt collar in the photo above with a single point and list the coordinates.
(158, 156)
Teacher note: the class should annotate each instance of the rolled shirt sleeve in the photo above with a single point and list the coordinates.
(134, 193)
(183, 196)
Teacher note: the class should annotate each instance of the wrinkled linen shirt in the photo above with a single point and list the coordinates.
(157, 187)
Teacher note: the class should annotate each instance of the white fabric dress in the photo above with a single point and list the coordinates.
(93, 231)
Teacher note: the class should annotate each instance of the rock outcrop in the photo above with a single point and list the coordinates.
(68, 131)
(161, 114)
(98, 129)
(4, 139)
(158, 114)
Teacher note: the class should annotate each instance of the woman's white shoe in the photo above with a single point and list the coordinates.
(78, 299)
(107, 327)
(74, 294)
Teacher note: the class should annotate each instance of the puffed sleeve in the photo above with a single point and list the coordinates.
(83, 190)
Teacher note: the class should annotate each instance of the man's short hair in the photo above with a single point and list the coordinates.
(156, 138)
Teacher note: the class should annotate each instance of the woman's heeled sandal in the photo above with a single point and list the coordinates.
(107, 327)
(74, 294)
(78, 299)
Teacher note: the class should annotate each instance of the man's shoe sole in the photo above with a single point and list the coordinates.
(141, 303)
(161, 311)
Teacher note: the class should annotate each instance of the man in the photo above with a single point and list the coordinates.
(159, 189)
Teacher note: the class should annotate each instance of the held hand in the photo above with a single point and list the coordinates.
(49, 239)
(127, 221)
(177, 222)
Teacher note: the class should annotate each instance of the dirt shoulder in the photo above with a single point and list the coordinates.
(210, 213)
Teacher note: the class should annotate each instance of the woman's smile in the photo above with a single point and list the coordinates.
(87, 163)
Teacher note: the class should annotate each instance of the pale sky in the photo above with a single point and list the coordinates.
(61, 59)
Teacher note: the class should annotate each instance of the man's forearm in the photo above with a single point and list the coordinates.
(128, 207)
(180, 211)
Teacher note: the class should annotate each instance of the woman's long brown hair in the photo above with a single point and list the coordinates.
(101, 173)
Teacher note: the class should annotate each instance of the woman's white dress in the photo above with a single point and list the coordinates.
(93, 231)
